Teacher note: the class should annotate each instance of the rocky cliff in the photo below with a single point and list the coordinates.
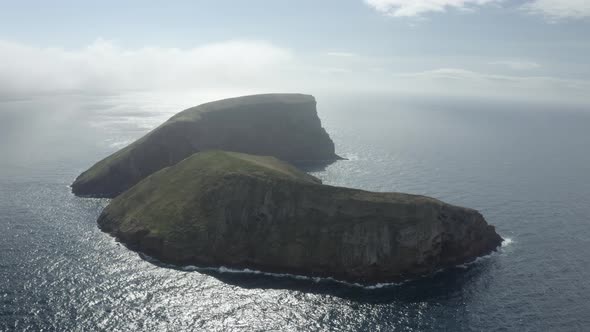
(244, 211)
(285, 126)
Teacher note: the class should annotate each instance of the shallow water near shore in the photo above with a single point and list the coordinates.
(525, 167)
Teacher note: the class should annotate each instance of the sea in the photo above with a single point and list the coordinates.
(524, 165)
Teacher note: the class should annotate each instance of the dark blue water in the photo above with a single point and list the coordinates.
(525, 167)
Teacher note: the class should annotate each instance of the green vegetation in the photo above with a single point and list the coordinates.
(285, 126)
(165, 200)
(232, 209)
(194, 113)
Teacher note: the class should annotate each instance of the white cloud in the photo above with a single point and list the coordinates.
(559, 9)
(407, 8)
(104, 67)
(551, 9)
(225, 69)
(335, 70)
(342, 54)
(517, 64)
(462, 82)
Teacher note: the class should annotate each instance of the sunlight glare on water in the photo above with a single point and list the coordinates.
(58, 271)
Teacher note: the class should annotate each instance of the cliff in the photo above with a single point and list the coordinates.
(285, 126)
(236, 210)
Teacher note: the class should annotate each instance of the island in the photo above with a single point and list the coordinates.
(285, 126)
(219, 208)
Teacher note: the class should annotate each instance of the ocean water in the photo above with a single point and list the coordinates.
(526, 167)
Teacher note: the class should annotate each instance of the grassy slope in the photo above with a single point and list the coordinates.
(166, 202)
(174, 190)
(193, 114)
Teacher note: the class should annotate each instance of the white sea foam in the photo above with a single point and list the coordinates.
(351, 156)
(223, 269)
(507, 242)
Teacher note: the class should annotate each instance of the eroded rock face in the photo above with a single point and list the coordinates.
(241, 211)
(285, 126)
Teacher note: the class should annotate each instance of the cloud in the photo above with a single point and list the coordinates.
(517, 64)
(224, 69)
(409, 8)
(559, 9)
(342, 54)
(463, 82)
(104, 68)
(553, 10)
(335, 70)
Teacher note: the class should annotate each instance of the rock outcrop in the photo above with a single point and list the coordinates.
(285, 126)
(243, 211)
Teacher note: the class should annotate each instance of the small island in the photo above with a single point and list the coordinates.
(243, 211)
(216, 186)
(285, 126)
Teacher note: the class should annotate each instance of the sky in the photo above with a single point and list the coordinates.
(505, 49)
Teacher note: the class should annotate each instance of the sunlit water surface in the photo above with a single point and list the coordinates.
(525, 167)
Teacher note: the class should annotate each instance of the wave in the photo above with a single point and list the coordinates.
(351, 156)
(222, 269)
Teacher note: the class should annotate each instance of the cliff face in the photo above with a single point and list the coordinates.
(243, 211)
(285, 126)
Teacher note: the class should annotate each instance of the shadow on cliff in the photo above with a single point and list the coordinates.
(321, 166)
(439, 287)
